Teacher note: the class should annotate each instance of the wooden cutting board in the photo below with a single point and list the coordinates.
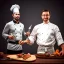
(32, 58)
(48, 56)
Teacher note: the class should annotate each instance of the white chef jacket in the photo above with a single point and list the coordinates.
(12, 28)
(46, 35)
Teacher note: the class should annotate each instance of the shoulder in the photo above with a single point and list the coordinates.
(9, 23)
(54, 26)
(38, 26)
(22, 24)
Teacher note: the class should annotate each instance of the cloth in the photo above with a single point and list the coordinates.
(44, 49)
(46, 35)
(15, 29)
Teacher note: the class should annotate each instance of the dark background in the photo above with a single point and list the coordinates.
(31, 14)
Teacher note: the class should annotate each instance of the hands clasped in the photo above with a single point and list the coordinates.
(21, 42)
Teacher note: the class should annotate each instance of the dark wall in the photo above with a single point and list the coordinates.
(31, 14)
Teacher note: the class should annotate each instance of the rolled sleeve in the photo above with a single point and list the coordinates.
(31, 39)
(58, 36)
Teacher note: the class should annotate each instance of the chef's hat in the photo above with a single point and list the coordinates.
(15, 8)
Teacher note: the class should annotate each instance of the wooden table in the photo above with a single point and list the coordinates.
(38, 60)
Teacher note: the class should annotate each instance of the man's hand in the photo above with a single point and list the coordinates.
(62, 52)
(11, 37)
(21, 42)
(27, 42)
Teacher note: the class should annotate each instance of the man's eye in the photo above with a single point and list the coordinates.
(17, 14)
(45, 15)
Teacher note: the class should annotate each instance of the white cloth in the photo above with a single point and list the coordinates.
(16, 30)
(15, 8)
(46, 35)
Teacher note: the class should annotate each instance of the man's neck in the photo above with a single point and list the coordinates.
(15, 21)
(46, 22)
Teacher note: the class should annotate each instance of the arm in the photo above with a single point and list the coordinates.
(32, 36)
(5, 31)
(59, 40)
(30, 40)
(58, 36)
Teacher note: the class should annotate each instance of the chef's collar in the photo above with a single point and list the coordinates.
(15, 22)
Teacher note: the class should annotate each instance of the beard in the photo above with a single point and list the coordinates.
(17, 19)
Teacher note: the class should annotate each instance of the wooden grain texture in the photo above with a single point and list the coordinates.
(15, 57)
(49, 56)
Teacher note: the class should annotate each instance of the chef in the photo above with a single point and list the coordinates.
(46, 34)
(13, 32)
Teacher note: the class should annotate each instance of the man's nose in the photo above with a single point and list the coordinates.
(45, 16)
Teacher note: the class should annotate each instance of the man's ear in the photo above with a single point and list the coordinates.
(12, 14)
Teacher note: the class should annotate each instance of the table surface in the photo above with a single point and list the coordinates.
(38, 60)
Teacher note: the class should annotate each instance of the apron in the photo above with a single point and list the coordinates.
(43, 49)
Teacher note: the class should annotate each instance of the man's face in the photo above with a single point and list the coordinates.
(16, 16)
(45, 16)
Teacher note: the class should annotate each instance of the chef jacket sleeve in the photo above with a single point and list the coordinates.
(5, 31)
(32, 36)
(58, 36)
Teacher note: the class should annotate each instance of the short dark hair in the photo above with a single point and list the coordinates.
(45, 11)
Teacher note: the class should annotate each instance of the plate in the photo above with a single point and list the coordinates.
(32, 58)
(43, 56)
